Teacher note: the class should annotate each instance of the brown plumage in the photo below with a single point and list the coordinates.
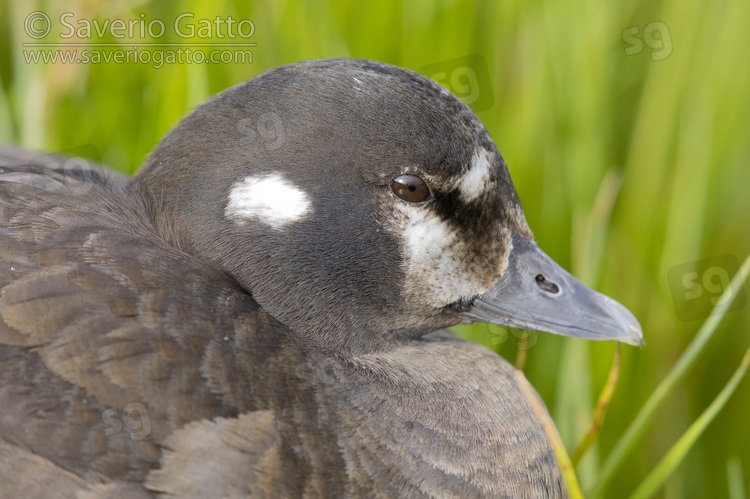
(151, 344)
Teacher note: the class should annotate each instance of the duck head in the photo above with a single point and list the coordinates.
(362, 204)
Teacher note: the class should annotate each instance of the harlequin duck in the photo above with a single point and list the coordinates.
(259, 310)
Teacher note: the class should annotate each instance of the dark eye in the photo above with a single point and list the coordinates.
(410, 188)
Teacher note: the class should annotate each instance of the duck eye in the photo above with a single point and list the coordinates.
(410, 188)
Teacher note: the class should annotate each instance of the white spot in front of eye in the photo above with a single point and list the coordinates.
(433, 257)
(474, 182)
(269, 198)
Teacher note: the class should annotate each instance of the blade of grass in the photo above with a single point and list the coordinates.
(678, 451)
(566, 468)
(601, 408)
(522, 348)
(626, 444)
(588, 243)
(736, 482)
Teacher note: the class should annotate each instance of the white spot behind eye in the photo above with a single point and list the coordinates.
(473, 183)
(269, 198)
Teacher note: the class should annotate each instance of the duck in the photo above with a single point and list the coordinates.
(261, 310)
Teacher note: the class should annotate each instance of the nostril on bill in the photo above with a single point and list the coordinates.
(546, 285)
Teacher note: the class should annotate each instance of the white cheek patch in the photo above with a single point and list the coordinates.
(433, 257)
(474, 182)
(269, 199)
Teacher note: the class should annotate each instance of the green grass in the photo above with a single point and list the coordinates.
(626, 167)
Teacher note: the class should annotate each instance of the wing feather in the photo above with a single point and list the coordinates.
(100, 314)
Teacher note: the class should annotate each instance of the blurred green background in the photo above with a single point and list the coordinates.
(625, 126)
